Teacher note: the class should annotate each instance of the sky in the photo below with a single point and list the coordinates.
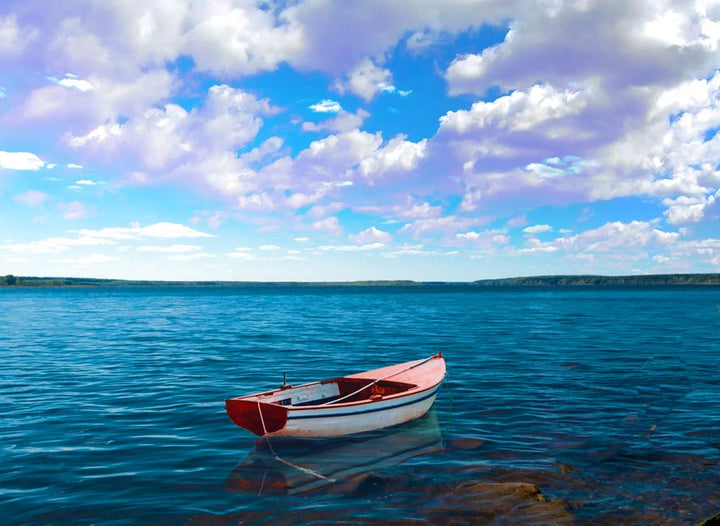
(321, 140)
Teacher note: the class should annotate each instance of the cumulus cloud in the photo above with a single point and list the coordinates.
(326, 106)
(537, 229)
(330, 225)
(366, 81)
(611, 47)
(336, 162)
(20, 161)
(628, 122)
(618, 236)
(195, 145)
(343, 122)
(518, 111)
(398, 155)
(371, 235)
(485, 239)
(443, 225)
(226, 38)
(684, 209)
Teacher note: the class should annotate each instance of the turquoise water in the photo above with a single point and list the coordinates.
(608, 399)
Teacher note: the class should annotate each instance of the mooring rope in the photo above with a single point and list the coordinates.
(288, 463)
(447, 425)
(378, 380)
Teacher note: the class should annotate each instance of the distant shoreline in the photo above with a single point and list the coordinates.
(646, 280)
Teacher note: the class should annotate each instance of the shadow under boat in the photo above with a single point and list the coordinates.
(332, 460)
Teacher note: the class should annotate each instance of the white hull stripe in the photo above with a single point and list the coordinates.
(293, 416)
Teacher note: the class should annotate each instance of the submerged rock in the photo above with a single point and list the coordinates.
(477, 502)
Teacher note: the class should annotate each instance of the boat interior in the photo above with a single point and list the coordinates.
(325, 393)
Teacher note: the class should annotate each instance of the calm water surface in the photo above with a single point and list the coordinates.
(112, 401)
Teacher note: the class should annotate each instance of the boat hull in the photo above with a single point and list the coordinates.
(339, 421)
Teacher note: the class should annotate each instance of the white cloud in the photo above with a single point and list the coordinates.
(269, 248)
(371, 235)
(75, 166)
(163, 230)
(537, 229)
(352, 248)
(398, 154)
(331, 225)
(618, 236)
(71, 81)
(342, 122)
(53, 245)
(20, 161)
(366, 81)
(411, 210)
(326, 106)
(685, 209)
(487, 239)
(519, 111)
(110, 100)
(226, 38)
(197, 145)
(443, 225)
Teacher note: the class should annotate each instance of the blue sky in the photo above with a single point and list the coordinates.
(347, 140)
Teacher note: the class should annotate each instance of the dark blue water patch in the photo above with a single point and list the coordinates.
(113, 398)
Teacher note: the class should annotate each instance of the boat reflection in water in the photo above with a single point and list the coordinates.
(334, 459)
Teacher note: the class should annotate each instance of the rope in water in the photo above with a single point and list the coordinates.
(378, 380)
(447, 425)
(286, 462)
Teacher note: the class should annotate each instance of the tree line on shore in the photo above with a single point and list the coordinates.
(11, 280)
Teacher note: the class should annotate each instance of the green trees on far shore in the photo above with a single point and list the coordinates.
(11, 280)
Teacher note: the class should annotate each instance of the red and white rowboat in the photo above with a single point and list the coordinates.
(352, 404)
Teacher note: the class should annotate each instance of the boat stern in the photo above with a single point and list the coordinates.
(259, 418)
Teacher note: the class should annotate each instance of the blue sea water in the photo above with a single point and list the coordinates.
(113, 401)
